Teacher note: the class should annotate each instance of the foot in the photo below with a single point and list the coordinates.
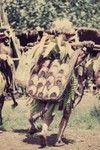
(14, 105)
(59, 142)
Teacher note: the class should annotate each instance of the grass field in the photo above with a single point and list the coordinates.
(85, 116)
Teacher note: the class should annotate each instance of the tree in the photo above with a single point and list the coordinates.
(23, 14)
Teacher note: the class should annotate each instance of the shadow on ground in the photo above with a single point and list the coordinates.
(51, 140)
(21, 131)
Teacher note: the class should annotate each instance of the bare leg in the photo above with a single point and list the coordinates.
(47, 120)
(1, 106)
(65, 118)
(64, 121)
(33, 119)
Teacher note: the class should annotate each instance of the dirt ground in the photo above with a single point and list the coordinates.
(75, 139)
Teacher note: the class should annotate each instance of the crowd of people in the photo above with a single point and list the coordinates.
(84, 69)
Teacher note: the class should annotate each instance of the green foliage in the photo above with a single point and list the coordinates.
(25, 14)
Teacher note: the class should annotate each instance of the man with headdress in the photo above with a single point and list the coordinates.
(64, 31)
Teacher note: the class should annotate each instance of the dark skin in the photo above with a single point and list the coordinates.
(1, 106)
(5, 68)
(68, 109)
(2, 97)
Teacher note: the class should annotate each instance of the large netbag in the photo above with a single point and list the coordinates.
(51, 80)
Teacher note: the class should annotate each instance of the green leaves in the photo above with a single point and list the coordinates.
(32, 13)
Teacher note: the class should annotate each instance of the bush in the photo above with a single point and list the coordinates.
(32, 13)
